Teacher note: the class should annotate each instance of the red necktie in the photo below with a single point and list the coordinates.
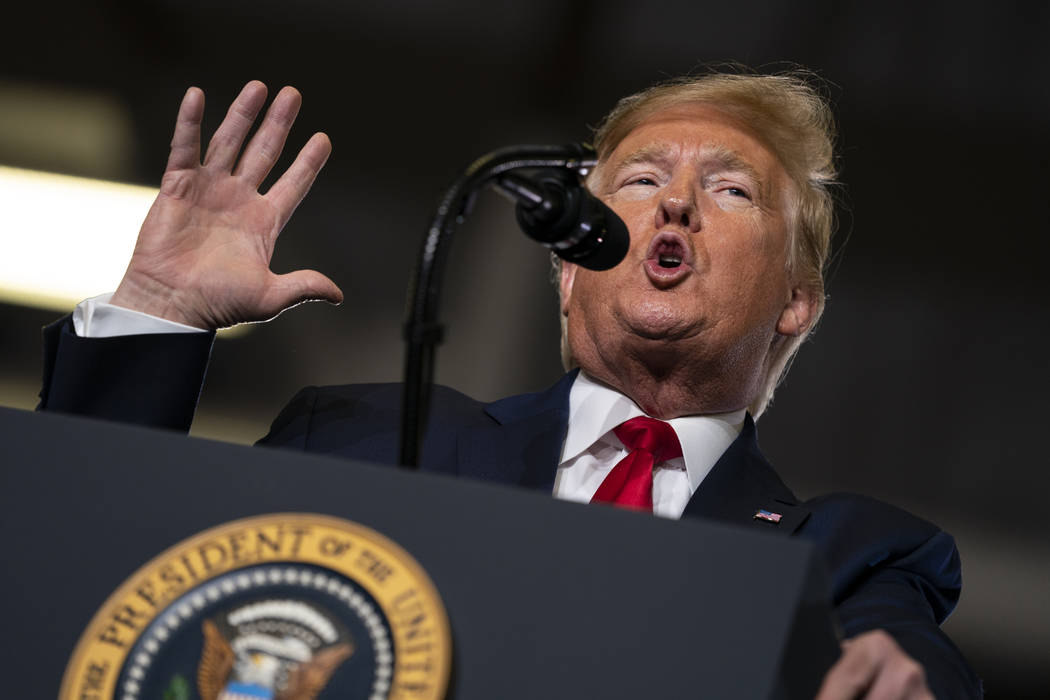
(630, 483)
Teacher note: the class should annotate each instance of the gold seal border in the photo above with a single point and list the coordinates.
(420, 631)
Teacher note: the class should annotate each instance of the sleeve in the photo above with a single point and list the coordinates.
(152, 379)
(909, 597)
(291, 427)
(97, 318)
(895, 572)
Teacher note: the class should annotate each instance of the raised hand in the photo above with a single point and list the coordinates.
(203, 254)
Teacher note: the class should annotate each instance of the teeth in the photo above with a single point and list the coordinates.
(670, 261)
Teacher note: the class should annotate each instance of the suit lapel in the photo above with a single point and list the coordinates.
(742, 483)
(523, 444)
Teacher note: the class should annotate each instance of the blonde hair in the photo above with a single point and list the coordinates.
(793, 119)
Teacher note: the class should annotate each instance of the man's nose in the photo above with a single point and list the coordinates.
(678, 207)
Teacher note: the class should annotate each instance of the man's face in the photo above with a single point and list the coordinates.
(705, 284)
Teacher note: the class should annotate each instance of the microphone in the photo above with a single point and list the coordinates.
(555, 209)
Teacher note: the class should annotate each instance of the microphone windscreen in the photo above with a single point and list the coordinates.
(605, 241)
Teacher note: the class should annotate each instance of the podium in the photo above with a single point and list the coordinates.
(543, 598)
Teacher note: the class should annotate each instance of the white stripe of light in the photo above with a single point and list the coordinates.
(65, 238)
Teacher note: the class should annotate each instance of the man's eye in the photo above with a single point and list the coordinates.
(738, 192)
(641, 181)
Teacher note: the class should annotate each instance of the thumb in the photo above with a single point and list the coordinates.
(294, 288)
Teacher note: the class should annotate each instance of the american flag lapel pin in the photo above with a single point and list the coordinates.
(768, 516)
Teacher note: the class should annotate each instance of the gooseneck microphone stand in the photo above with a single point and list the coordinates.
(422, 331)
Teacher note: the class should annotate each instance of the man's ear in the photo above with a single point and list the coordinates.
(565, 279)
(799, 313)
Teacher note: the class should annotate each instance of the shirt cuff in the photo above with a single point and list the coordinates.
(97, 318)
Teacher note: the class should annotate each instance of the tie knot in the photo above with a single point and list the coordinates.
(650, 435)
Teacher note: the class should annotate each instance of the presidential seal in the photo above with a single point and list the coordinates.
(284, 607)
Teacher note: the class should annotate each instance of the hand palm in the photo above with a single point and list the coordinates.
(204, 251)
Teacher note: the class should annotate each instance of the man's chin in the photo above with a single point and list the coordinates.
(661, 328)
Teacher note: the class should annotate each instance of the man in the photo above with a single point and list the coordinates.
(722, 182)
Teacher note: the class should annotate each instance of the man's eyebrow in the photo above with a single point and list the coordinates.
(650, 153)
(655, 153)
(727, 159)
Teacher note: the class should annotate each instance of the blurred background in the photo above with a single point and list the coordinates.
(924, 384)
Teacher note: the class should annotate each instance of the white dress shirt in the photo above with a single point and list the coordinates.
(97, 318)
(592, 449)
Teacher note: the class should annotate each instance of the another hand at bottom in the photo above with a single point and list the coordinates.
(874, 667)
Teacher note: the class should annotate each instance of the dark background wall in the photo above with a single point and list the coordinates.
(924, 385)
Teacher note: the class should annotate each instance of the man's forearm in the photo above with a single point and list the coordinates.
(147, 378)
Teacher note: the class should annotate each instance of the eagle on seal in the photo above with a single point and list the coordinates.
(264, 666)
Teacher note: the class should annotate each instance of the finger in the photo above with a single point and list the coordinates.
(265, 147)
(294, 288)
(186, 142)
(293, 185)
(851, 675)
(226, 143)
(900, 678)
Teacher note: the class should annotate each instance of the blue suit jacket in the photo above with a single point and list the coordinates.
(889, 569)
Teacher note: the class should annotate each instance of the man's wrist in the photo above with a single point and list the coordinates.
(98, 318)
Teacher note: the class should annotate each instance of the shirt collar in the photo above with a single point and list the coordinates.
(595, 409)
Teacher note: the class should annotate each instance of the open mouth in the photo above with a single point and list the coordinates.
(668, 251)
(669, 258)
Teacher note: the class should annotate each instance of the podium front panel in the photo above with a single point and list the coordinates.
(545, 598)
